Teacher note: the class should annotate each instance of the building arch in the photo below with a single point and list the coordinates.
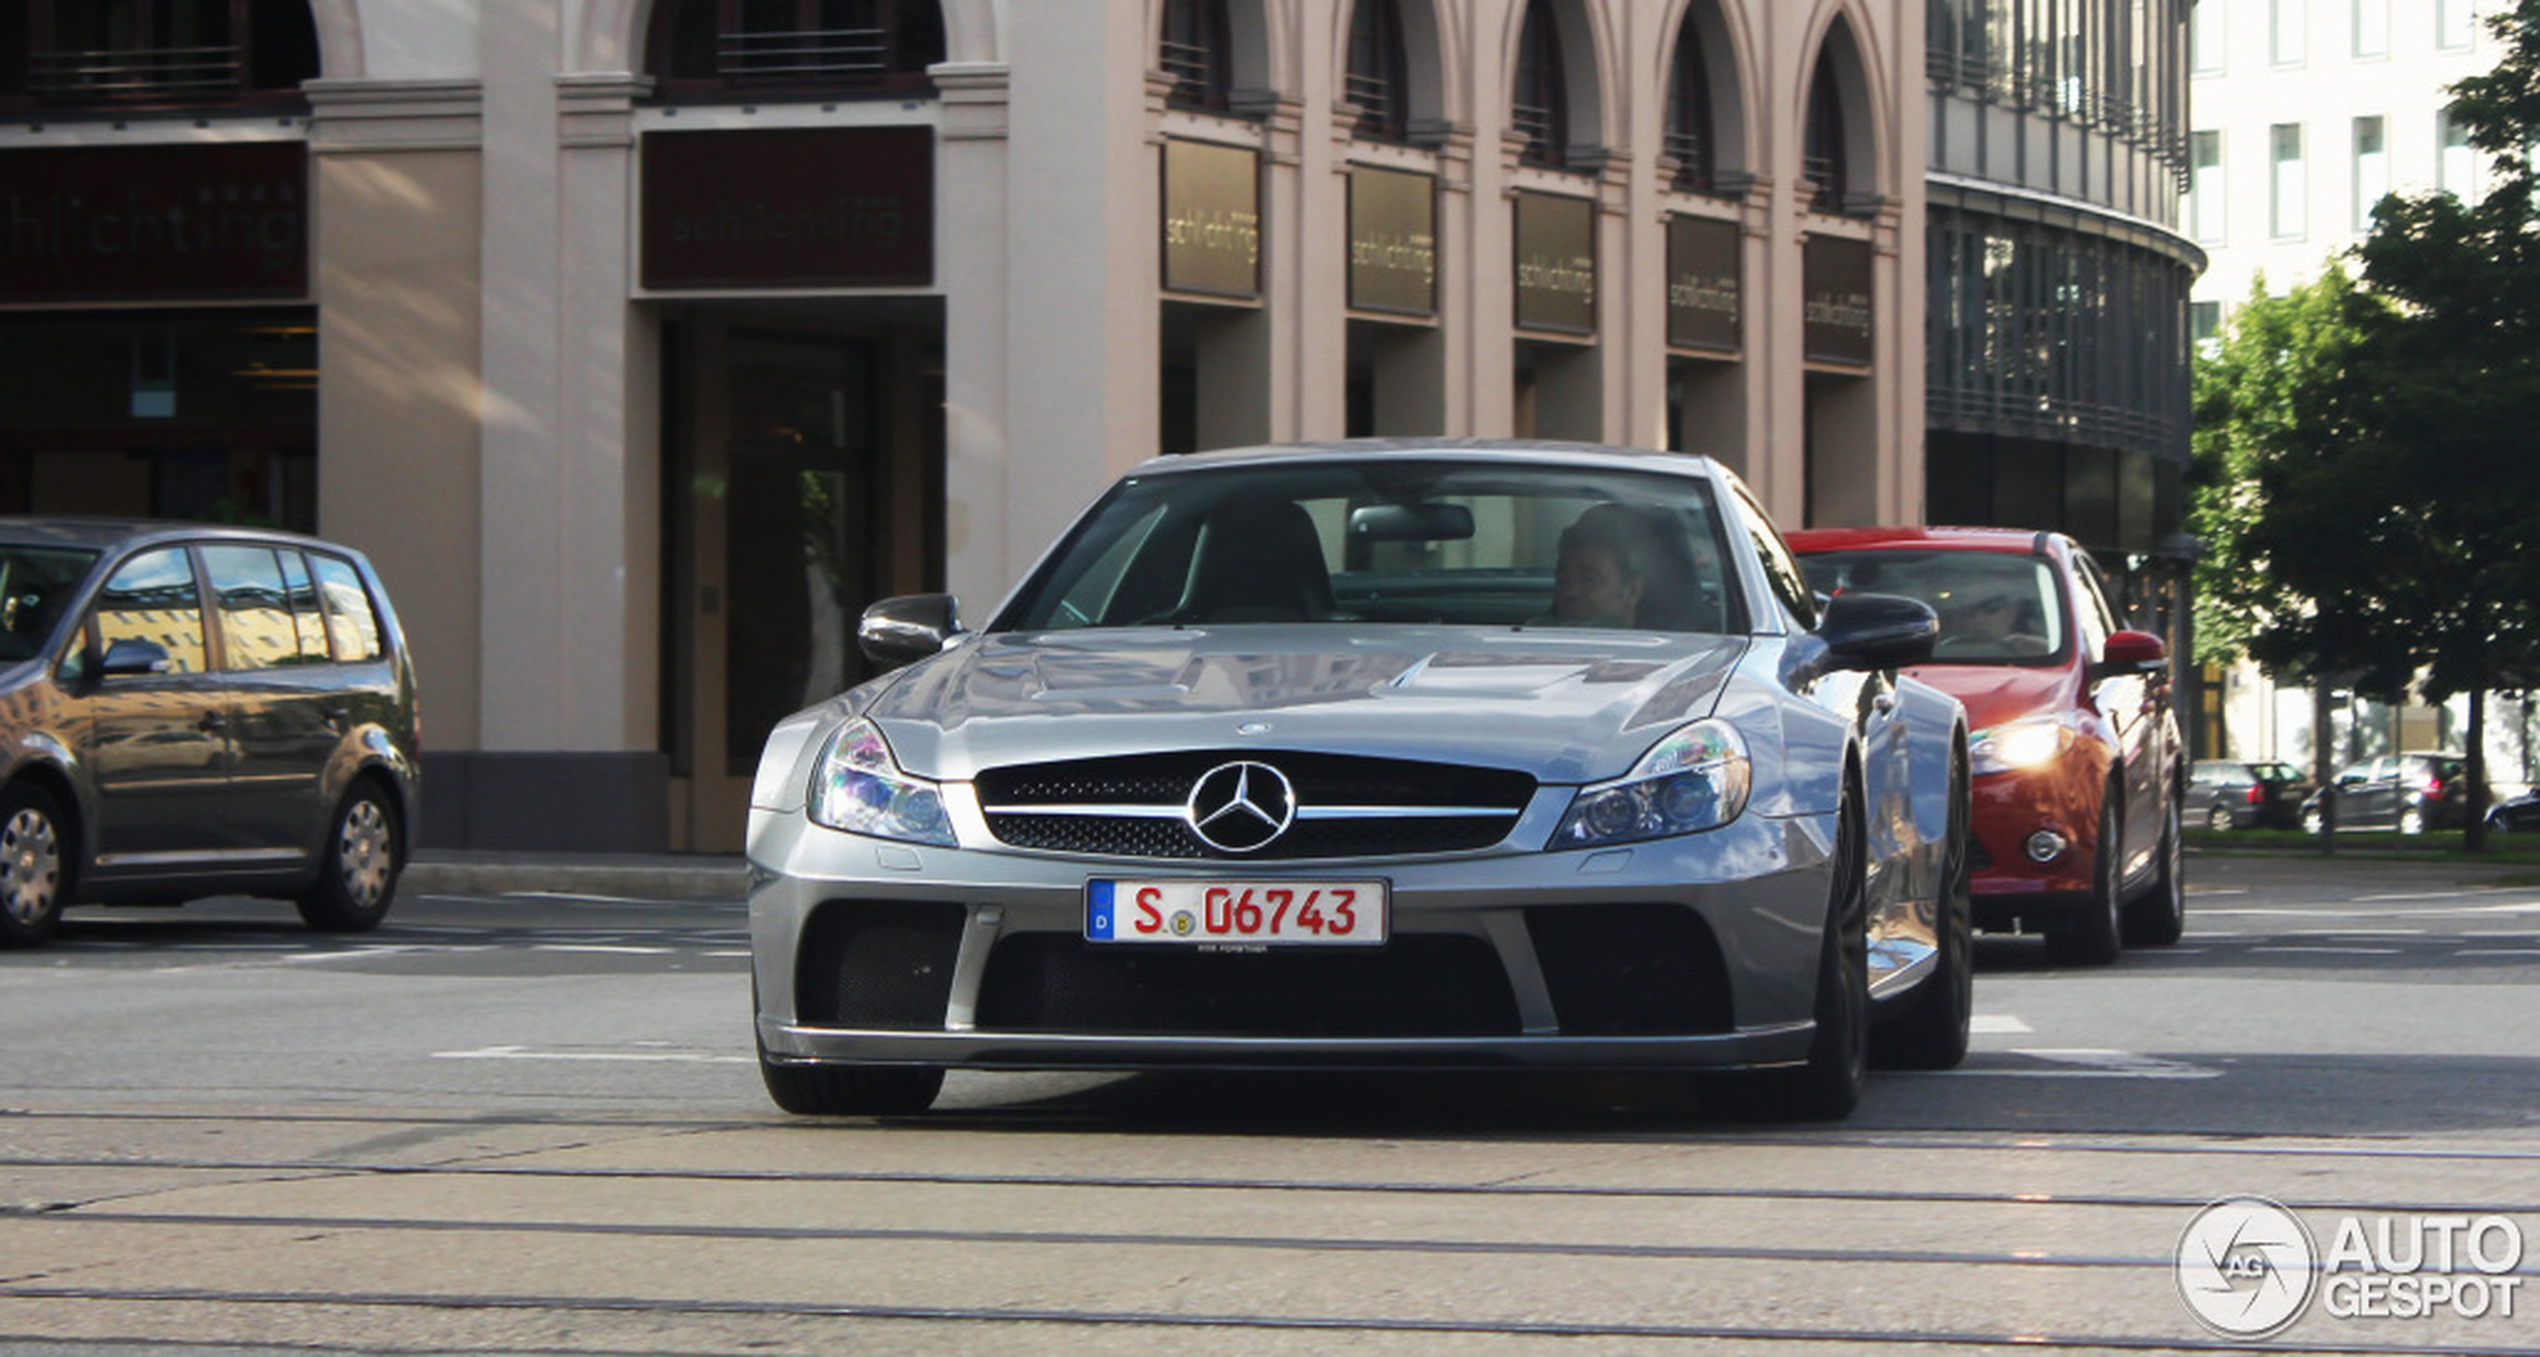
(1585, 46)
(613, 33)
(1841, 72)
(1727, 50)
(339, 30)
(1251, 61)
(1425, 58)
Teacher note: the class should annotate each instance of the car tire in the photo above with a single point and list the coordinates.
(2412, 820)
(358, 865)
(850, 1090)
(2312, 821)
(1933, 1032)
(1829, 1085)
(38, 861)
(2158, 917)
(2219, 819)
(2095, 936)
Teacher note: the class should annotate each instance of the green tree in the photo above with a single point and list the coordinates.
(2267, 394)
(2373, 494)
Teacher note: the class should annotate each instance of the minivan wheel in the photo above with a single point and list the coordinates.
(35, 865)
(357, 877)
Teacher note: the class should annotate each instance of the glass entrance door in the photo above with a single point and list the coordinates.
(779, 540)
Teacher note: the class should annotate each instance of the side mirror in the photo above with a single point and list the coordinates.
(133, 657)
(2132, 653)
(904, 630)
(1877, 631)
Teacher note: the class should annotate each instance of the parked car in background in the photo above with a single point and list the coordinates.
(2230, 794)
(1420, 753)
(2411, 793)
(2515, 815)
(2079, 772)
(188, 710)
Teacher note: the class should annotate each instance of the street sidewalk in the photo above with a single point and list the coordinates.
(446, 871)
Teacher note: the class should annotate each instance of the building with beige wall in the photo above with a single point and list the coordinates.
(641, 342)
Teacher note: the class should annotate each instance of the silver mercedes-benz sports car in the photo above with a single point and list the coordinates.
(1413, 754)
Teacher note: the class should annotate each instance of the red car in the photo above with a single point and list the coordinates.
(2077, 757)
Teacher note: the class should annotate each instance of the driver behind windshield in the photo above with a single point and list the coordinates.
(1602, 569)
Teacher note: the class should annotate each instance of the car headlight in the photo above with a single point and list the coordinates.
(859, 788)
(1695, 779)
(2015, 745)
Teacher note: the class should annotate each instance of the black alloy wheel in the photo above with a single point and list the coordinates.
(2158, 917)
(2095, 936)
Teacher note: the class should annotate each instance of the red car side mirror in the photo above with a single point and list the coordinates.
(2133, 652)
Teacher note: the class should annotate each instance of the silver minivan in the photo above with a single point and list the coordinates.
(190, 710)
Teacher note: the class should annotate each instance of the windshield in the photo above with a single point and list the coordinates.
(35, 586)
(1995, 607)
(1392, 541)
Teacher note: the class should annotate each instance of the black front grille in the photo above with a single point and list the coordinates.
(1631, 970)
(1159, 785)
(877, 963)
(1427, 986)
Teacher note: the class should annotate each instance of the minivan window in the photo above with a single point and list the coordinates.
(350, 623)
(256, 626)
(34, 581)
(308, 617)
(152, 598)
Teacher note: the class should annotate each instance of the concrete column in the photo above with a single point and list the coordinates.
(973, 251)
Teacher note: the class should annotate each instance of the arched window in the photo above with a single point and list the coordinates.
(155, 53)
(1827, 156)
(1377, 81)
(1197, 54)
(817, 48)
(1540, 108)
(1690, 138)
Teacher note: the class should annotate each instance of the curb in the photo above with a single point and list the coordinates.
(672, 878)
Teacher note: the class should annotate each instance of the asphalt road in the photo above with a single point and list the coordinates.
(531, 1122)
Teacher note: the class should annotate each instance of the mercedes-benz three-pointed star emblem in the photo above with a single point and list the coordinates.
(1240, 807)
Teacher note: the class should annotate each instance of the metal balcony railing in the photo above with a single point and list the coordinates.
(135, 74)
(827, 56)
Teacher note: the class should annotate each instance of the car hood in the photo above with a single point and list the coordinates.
(1563, 706)
(1996, 693)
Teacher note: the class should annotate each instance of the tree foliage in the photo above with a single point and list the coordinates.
(2371, 451)
(2266, 393)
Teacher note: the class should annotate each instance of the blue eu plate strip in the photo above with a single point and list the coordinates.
(1098, 911)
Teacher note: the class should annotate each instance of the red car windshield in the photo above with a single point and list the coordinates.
(1995, 607)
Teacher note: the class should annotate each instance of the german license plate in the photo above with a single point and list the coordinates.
(1239, 913)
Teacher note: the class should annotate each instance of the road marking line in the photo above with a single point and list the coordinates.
(646, 1057)
(2090, 1063)
(1996, 1023)
(599, 947)
(2334, 951)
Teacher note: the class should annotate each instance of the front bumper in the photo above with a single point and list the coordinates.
(1758, 889)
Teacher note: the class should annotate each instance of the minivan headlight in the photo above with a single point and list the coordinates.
(859, 788)
(1695, 779)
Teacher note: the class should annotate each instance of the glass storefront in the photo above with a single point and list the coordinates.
(185, 414)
